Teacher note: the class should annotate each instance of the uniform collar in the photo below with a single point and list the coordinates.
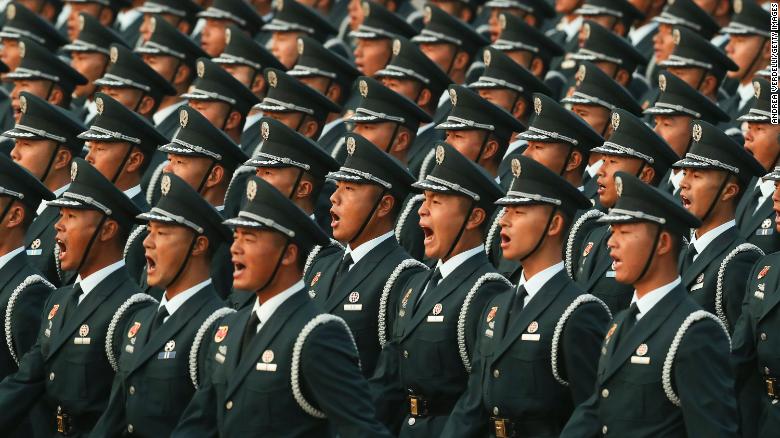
(57, 194)
(328, 126)
(4, 259)
(593, 169)
(676, 179)
(174, 303)
(570, 28)
(163, 114)
(745, 92)
(650, 299)
(132, 191)
(266, 310)
(534, 284)
(252, 119)
(89, 283)
(366, 247)
(422, 128)
(637, 34)
(448, 267)
(701, 243)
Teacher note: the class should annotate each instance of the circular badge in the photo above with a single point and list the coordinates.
(300, 46)
(10, 11)
(201, 69)
(516, 168)
(99, 105)
(165, 185)
(251, 190)
(537, 105)
(268, 356)
(170, 345)
(453, 97)
(756, 89)
(265, 130)
(272, 79)
(439, 154)
(74, 170)
(615, 121)
(23, 103)
(363, 86)
(696, 132)
(486, 57)
(350, 145)
(662, 82)
(437, 309)
(183, 118)
(396, 47)
(533, 327)
(641, 350)
(354, 297)
(619, 185)
(113, 55)
(83, 330)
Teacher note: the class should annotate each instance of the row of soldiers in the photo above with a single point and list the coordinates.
(455, 221)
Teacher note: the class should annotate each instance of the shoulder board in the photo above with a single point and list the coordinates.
(404, 265)
(572, 239)
(493, 230)
(153, 182)
(198, 340)
(556, 339)
(118, 315)
(130, 240)
(320, 319)
(465, 357)
(9, 310)
(316, 250)
(745, 247)
(666, 375)
(399, 225)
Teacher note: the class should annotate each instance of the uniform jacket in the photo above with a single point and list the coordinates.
(39, 242)
(758, 227)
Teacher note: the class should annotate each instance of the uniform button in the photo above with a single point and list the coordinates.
(229, 405)
(130, 428)
(496, 373)
(406, 354)
(132, 390)
(605, 392)
(766, 370)
(763, 336)
(604, 429)
(774, 402)
(495, 410)
(51, 375)
(411, 421)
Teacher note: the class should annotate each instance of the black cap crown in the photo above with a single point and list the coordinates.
(691, 50)
(22, 22)
(16, 182)
(115, 122)
(90, 190)
(93, 37)
(167, 40)
(186, 9)
(241, 49)
(517, 35)
(381, 104)
(501, 71)
(44, 121)
(594, 87)
(689, 14)
(285, 147)
(237, 11)
(180, 204)
(749, 19)
(287, 94)
(409, 62)
(679, 98)
(379, 23)
(711, 148)
(456, 174)
(621, 9)
(541, 9)
(534, 183)
(38, 63)
(367, 164)
(555, 124)
(293, 16)
(267, 208)
(441, 27)
(198, 137)
(761, 110)
(215, 84)
(601, 44)
(640, 202)
(314, 59)
(128, 70)
(470, 111)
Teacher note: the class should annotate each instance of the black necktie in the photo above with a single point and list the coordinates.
(345, 264)
(249, 332)
(433, 282)
(77, 292)
(752, 204)
(518, 301)
(690, 253)
(628, 323)
(159, 319)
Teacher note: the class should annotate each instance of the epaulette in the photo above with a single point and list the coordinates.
(406, 264)
(464, 310)
(426, 163)
(572, 239)
(493, 230)
(130, 239)
(9, 310)
(719, 308)
(316, 250)
(111, 353)
(198, 340)
(153, 182)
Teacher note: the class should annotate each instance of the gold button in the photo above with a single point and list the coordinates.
(495, 410)
(130, 428)
(229, 405)
(132, 390)
(51, 375)
(411, 421)
(496, 373)
(406, 354)
(605, 392)
(763, 336)
(604, 429)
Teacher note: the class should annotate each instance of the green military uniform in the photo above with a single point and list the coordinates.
(536, 355)
(587, 254)
(67, 372)
(664, 368)
(353, 289)
(153, 350)
(714, 273)
(43, 121)
(428, 357)
(298, 375)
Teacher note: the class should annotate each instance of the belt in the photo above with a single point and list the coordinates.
(423, 407)
(68, 424)
(510, 428)
(772, 388)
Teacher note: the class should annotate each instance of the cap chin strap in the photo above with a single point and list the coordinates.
(701, 80)
(206, 176)
(6, 209)
(650, 256)
(295, 185)
(138, 104)
(122, 164)
(369, 216)
(755, 60)
(543, 236)
(49, 91)
(300, 123)
(227, 117)
(91, 242)
(276, 268)
(641, 168)
(51, 162)
(175, 71)
(485, 139)
(566, 161)
(452, 61)
(715, 199)
(183, 262)
(462, 229)
(392, 138)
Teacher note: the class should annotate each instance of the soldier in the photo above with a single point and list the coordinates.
(516, 385)
(66, 374)
(677, 106)
(753, 352)
(534, 12)
(22, 22)
(291, 20)
(643, 32)
(374, 37)
(664, 367)
(219, 15)
(716, 173)
(104, 10)
(616, 15)
(331, 75)
(632, 148)
(413, 75)
(246, 386)
(151, 354)
(754, 211)
(565, 33)
(45, 144)
(428, 356)
(182, 14)
(49, 10)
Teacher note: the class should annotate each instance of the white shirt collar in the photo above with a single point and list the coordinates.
(91, 108)
(57, 194)
(266, 310)
(515, 145)
(128, 17)
(638, 33)
(4, 259)
(570, 28)
(181, 298)
(593, 169)
(650, 299)
(163, 114)
(93, 280)
(745, 92)
(448, 267)
(676, 178)
(534, 284)
(422, 128)
(132, 191)
(766, 187)
(701, 243)
(328, 126)
(251, 120)
(219, 207)
(366, 247)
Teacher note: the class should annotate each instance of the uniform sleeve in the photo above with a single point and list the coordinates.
(584, 421)
(21, 390)
(27, 317)
(199, 419)
(113, 417)
(704, 383)
(735, 284)
(582, 341)
(329, 369)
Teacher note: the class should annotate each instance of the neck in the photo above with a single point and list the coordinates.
(235, 133)
(715, 220)
(196, 272)
(468, 240)
(10, 241)
(285, 278)
(662, 271)
(127, 181)
(215, 195)
(574, 178)
(547, 255)
(372, 231)
(305, 204)
(99, 261)
(458, 77)
(490, 166)
(332, 117)
(56, 180)
(168, 101)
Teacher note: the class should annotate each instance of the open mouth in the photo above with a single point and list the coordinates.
(686, 202)
(151, 265)
(63, 248)
(428, 234)
(334, 219)
(505, 239)
(238, 268)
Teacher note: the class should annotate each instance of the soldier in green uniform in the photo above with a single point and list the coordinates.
(716, 172)
(180, 13)
(349, 283)
(280, 367)
(66, 373)
(151, 352)
(291, 19)
(219, 15)
(428, 357)
(633, 148)
(538, 344)
(664, 367)
(374, 37)
(45, 144)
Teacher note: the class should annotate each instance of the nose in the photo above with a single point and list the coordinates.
(148, 242)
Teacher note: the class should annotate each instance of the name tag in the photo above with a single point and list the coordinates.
(435, 318)
(764, 231)
(82, 341)
(758, 294)
(166, 355)
(219, 358)
(265, 366)
(353, 307)
(489, 333)
(34, 252)
(610, 274)
(697, 286)
(535, 337)
(129, 349)
(640, 360)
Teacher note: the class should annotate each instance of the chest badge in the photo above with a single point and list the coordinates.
(640, 357)
(353, 298)
(266, 359)
(587, 249)
(532, 334)
(168, 352)
(83, 330)
(533, 327)
(641, 350)
(268, 356)
(133, 330)
(610, 333)
(221, 333)
(82, 338)
(404, 302)
(766, 224)
(315, 279)
(53, 310)
(762, 273)
(35, 244)
(436, 314)
(491, 316)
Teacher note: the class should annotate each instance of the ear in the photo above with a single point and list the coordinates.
(537, 67)
(234, 120)
(402, 141)
(519, 110)
(304, 189)
(722, 8)
(665, 243)
(647, 175)
(258, 86)
(466, 14)
(135, 161)
(64, 158)
(619, 28)
(731, 191)
(391, 5)
(478, 216)
(385, 206)
(57, 96)
(290, 257)
(216, 176)
(310, 128)
(182, 75)
(766, 49)
(184, 27)
(106, 16)
(557, 225)
(461, 60)
(48, 12)
(623, 77)
(109, 231)
(491, 149)
(709, 85)
(333, 92)
(15, 216)
(146, 106)
(531, 20)
(201, 245)
(424, 98)
(575, 160)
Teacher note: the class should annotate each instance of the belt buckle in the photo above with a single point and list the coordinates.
(770, 387)
(417, 406)
(63, 422)
(503, 428)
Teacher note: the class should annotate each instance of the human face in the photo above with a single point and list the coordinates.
(692, 76)
(441, 54)
(33, 155)
(522, 226)
(441, 217)
(39, 88)
(372, 55)
(663, 42)
(468, 142)
(10, 54)
(355, 13)
(550, 155)
(213, 39)
(699, 188)
(566, 6)
(744, 50)
(630, 246)
(282, 178)
(675, 130)
(213, 110)
(242, 73)
(165, 249)
(91, 65)
(75, 229)
(284, 46)
(254, 254)
(776, 206)
(761, 142)
(146, 25)
(351, 204)
(290, 119)
(409, 88)
(501, 97)
(594, 115)
(166, 66)
(378, 133)
(129, 97)
(190, 169)
(606, 176)
(107, 157)
(76, 8)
